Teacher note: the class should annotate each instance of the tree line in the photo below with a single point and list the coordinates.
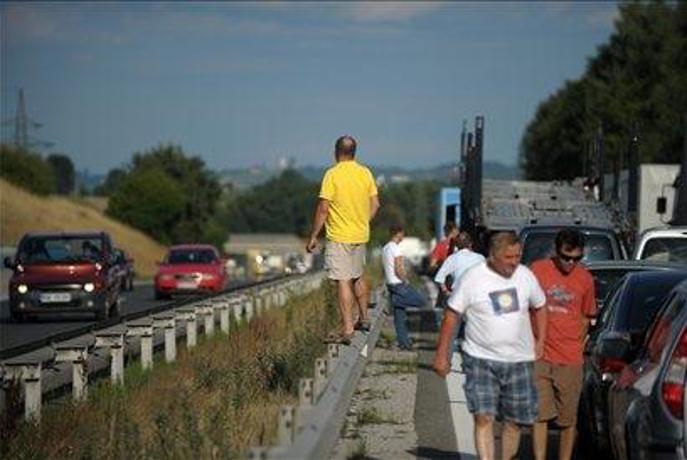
(29, 170)
(173, 197)
(635, 84)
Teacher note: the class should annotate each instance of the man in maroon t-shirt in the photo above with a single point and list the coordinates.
(440, 251)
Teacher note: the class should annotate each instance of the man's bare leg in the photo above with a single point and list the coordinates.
(362, 295)
(510, 440)
(346, 300)
(567, 442)
(484, 436)
(540, 432)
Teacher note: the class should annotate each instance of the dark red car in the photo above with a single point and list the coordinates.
(190, 269)
(64, 273)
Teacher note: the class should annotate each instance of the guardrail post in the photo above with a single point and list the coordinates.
(237, 309)
(188, 315)
(333, 354)
(320, 380)
(167, 322)
(223, 308)
(30, 376)
(285, 430)
(144, 330)
(76, 353)
(208, 314)
(248, 308)
(113, 341)
(305, 402)
(257, 302)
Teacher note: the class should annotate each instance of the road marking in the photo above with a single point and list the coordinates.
(462, 419)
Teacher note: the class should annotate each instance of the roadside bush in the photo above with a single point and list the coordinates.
(26, 170)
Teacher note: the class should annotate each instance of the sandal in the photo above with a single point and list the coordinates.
(343, 339)
(362, 326)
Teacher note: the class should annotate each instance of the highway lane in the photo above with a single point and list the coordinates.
(12, 335)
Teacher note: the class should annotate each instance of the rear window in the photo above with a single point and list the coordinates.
(191, 256)
(665, 249)
(60, 249)
(641, 303)
(540, 245)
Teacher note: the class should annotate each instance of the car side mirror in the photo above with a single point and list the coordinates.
(661, 205)
(9, 263)
(614, 344)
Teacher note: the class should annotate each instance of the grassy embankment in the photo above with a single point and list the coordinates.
(21, 212)
(216, 401)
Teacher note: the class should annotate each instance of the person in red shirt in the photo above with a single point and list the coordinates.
(441, 251)
(571, 303)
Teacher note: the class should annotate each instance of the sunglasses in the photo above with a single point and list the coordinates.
(567, 258)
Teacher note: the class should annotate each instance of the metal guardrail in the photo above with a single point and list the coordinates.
(311, 430)
(67, 335)
(139, 336)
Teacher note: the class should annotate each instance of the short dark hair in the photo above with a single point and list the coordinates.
(449, 227)
(345, 145)
(395, 228)
(571, 238)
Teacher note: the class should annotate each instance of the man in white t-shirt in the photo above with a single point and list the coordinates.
(457, 263)
(499, 349)
(401, 293)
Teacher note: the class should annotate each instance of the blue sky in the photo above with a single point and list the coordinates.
(243, 84)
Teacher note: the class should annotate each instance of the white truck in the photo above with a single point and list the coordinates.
(663, 244)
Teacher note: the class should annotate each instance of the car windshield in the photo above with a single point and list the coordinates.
(191, 256)
(666, 249)
(539, 245)
(59, 249)
(642, 301)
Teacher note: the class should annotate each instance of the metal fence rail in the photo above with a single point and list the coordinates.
(69, 361)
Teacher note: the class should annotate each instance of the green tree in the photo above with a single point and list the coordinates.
(195, 209)
(638, 78)
(149, 200)
(63, 169)
(26, 169)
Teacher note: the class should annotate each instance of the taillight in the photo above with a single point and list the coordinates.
(611, 365)
(673, 386)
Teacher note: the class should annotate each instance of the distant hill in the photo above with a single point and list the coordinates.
(21, 212)
(249, 177)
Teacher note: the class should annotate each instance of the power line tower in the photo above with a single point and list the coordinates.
(22, 122)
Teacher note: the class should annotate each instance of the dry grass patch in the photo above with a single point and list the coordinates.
(214, 402)
(21, 212)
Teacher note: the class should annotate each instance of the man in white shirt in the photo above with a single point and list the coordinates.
(499, 350)
(401, 293)
(457, 263)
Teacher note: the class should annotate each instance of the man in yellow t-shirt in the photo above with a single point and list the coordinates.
(347, 202)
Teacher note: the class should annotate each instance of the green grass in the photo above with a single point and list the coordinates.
(372, 416)
(399, 366)
(360, 450)
(215, 401)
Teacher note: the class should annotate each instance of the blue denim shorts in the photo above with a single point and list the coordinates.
(501, 389)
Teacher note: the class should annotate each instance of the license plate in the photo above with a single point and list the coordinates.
(54, 297)
(187, 285)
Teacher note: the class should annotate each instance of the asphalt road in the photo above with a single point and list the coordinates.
(18, 334)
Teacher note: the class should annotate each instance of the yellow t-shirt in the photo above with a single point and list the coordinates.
(348, 186)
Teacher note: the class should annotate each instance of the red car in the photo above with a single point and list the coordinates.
(190, 269)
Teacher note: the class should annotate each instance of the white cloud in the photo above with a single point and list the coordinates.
(386, 11)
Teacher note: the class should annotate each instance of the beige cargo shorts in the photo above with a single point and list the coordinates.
(344, 261)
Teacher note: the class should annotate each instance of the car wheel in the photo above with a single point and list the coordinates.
(131, 284)
(160, 295)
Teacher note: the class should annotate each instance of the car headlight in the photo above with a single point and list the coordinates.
(166, 277)
(22, 289)
(209, 276)
(89, 287)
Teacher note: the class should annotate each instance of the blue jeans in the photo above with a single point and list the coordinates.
(403, 296)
